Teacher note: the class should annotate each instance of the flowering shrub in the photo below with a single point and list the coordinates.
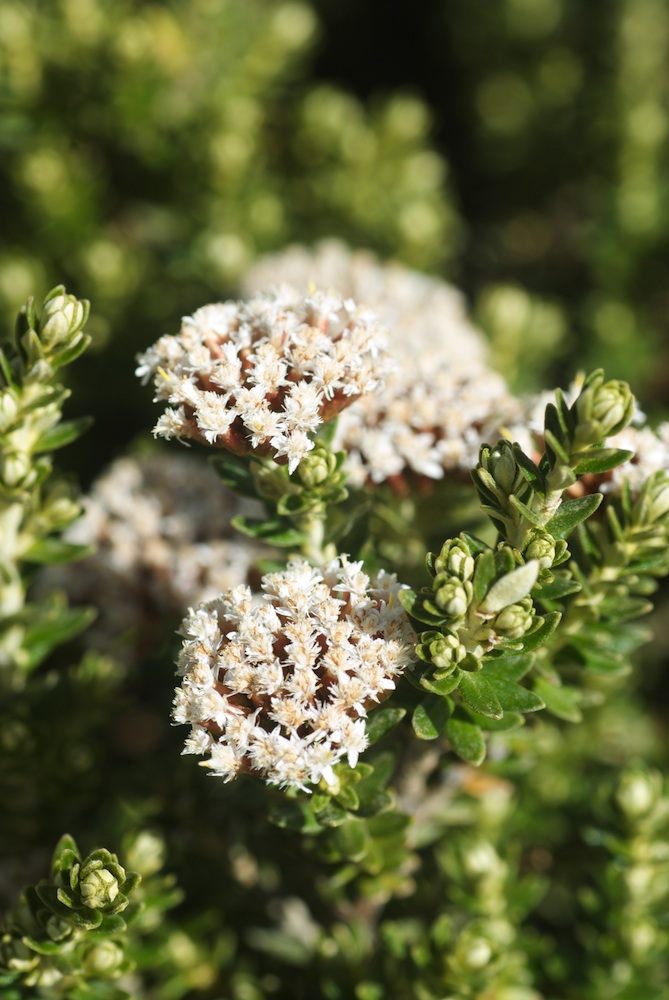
(441, 764)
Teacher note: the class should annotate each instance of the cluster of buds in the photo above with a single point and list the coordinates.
(262, 376)
(478, 599)
(48, 936)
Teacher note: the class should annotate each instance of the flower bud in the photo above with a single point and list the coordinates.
(657, 497)
(514, 621)
(103, 960)
(444, 651)
(98, 888)
(540, 546)
(500, 462)
(317, 466)
(603, 409)
(455, 559)
(638, 792)
(8, 409)
(452, 595)
(62, 318)
(15, 468)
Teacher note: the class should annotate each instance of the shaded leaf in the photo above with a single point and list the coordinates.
(429, 717)
(466, 739)
(562, 702)
(479, 695)
(572, 513)
(380, 722)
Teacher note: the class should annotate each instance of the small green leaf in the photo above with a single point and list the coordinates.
(40, 638)
(526, 511)
(511, 667)
(509, 721)
(600, 460)
(511, 588)
(348, 798)
(69, 354)
(478, 694)
(441, 685)
(535, 638)
(559, 587)
(572, 513)
(235, 472)
(414, 604)
(50, 551)
(274, 531)
(560, 701)
(62, 434)
(429, 717)
(466, 739)
(484, 574)
(380, 722)
(512, 697)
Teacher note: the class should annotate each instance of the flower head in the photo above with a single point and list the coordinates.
(263, 375)
(442, 400)
(280, 687)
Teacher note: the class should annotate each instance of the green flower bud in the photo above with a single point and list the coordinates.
(98, 888)
(316, 467)
(500, 462)
(9, 409)
(657, 497)
(603, 409)
(63, 317)
(455, 559)
(452, 595)
(540, 546)
(638, 792)
(15, 469)
(103, 960)
(514, 621)
(444, 651)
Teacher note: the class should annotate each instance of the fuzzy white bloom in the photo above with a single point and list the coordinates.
(161, 530)
(281, 686)
(441, 402)
(263, 375)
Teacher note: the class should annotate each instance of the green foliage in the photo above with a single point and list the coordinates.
(31, 511)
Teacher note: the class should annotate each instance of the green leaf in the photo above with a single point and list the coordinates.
(350, 841)
(478, 694)
(600, 460)
(414, 605)
(348, 798)
(293, 815)
(69, 354)
(484, 574)
(466, 739)
(54, 550)
(40, 638)
(509, 721)
(274, 531)
(559, 587)
(511, 588)
(528, 468)
(512, 697)
(554, 445)
(441, 685)
(235, 472)
(560, 701)
(429, 717)
(62, 434)
(535, 638)
(510, 667)
(572, 513)
(380, 722)
(526, 511)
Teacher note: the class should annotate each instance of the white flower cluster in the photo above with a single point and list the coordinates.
(442, 401)
(263, 375)
(280, 687)
(161, 530)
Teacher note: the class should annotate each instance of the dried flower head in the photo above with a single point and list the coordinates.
(441, 401)
(161, 530)
(263, 375)
(280, 687)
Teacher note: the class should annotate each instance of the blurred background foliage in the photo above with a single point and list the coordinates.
(149, 152)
